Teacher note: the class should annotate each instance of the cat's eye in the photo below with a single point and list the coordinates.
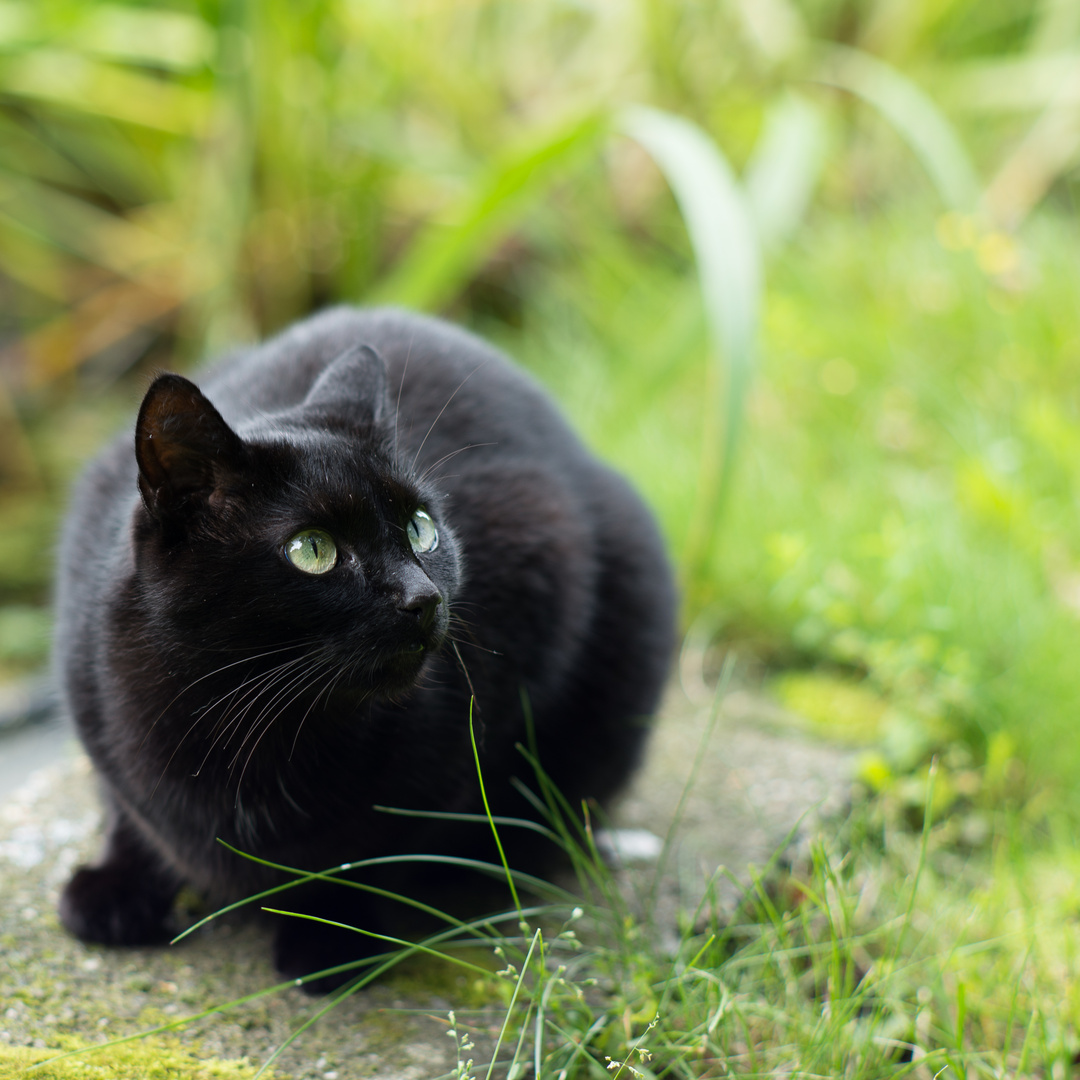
(423, 536)
(312, 551)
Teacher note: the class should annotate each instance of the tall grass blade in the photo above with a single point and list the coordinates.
(443, 258)
(487, 811)
(536, 938)
(914, 116)
(785, 168)
(1016, 84)
(1049, 150)
(691, 780)
(726, 248)
(174, 40)
(81, 84)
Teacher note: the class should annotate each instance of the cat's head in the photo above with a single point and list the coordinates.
(299, 532)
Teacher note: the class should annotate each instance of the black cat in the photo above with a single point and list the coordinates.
(275, 608)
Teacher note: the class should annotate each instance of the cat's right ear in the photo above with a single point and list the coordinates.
(183, 446)
(353, 385)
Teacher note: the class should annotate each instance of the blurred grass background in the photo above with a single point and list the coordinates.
(867, 459)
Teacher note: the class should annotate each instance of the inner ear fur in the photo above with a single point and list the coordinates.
(182, 445)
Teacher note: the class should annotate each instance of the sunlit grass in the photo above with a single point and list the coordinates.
(878, 950)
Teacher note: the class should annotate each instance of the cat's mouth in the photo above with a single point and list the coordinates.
(398, 669)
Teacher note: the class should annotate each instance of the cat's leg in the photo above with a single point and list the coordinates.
(126, 897)
(303, 946)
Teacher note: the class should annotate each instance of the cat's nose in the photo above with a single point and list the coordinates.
(423, 607)
(418, 596)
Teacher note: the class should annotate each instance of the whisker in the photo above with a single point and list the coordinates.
(315, 674)
(211, 674)
(446, 457)
(224, 727)
(401, 386)
(306, 678)
(476, 645)
(203, 713)
(441, 411)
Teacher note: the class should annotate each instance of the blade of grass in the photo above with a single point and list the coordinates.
(513, 999)
(487, 811)
(443, 257)
(401, 942)
(72, 81)
(726, 250)
(1049, 150)
(331, 875)
(785, 167)
(688, 785)
(915, 117)
(445, 815)
(924, 848)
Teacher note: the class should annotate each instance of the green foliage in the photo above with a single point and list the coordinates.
(843, 962)
(897, 538)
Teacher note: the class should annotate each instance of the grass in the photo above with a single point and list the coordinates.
(877, 950)
(883, 519)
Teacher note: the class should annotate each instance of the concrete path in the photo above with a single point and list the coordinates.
(757, 777)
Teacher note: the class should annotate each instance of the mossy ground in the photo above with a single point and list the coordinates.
(56, 989)
(147, 1059)
(753, 787)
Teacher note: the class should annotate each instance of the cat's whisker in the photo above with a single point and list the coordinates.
(305, 677)
(223, 727)
(326, 692)
(401, 386)
(226, 727)
(438, 417)
(446, 457)
(455, 641)
(307, 684)
(209, 675)
(246, 693)
(207, 710)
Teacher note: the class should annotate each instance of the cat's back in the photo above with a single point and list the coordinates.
(449, 388)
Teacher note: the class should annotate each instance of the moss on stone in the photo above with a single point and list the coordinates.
(143, 1059)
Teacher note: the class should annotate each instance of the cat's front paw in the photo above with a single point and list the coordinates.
(111, 906)
(302, 947)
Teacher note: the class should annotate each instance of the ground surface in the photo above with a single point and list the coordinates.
(757, 777)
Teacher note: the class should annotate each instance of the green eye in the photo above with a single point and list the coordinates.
(422, 533)
(312, 551)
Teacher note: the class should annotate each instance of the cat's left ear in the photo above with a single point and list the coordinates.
(183, 446)
(353, 385)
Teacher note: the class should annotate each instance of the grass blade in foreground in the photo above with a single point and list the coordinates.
(727, 251)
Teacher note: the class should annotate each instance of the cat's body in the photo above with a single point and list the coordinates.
(228, 685)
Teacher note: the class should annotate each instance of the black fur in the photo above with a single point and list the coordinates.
(223, 693)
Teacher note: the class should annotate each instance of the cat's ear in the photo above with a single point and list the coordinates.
(183, 446)
(354, 385)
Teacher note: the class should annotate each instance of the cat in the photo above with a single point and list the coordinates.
(277, 607)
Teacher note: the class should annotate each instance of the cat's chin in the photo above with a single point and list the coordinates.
(400, 671)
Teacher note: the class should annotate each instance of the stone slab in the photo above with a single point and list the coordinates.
(756, 778)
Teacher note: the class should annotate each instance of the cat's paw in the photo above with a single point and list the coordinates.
(302, 948)
(110, 906)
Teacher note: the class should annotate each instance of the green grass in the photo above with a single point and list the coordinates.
(879, 950)
(886, 525)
